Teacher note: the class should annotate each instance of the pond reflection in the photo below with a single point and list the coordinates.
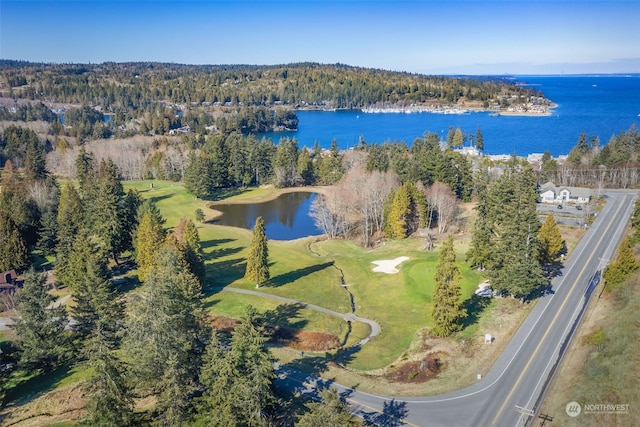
(286, 217)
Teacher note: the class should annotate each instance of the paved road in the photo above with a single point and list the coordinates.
(520, 373)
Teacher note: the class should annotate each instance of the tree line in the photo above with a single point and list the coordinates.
(155, 342)
(592, 164)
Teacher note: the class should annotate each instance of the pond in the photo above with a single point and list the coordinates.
(286, 217)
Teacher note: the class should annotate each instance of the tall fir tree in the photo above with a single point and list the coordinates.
(448, 312)
(42, 340)
(505, 238)
(89, 280)
(110, 401)
(238, 382)
(166, 324)
(69, 221)
(479, 139)
(14, 253)
(258, 259)
(106, 213)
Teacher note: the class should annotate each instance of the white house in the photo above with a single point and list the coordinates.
(550, 193)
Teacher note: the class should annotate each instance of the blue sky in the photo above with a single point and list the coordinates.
(432, 37)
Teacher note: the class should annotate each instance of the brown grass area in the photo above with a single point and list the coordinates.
(56, 406)
(293, 338)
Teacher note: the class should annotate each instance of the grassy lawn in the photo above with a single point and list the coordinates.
(310, 271)
(401, 302)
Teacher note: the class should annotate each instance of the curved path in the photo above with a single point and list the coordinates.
(349, 317)
(510, 394)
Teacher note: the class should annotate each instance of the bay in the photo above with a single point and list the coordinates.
(599, 105)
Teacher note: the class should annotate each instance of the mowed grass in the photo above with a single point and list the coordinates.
(400, 303)
(310, 271)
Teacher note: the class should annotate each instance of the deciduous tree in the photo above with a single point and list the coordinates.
(149, 238)
(550, 239)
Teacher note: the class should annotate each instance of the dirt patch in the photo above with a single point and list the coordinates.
(293, 338)
(305, 340)
(417, 371)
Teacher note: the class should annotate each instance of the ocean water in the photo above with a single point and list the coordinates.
(599, 105)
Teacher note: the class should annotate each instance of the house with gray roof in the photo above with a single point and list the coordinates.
(550, 193)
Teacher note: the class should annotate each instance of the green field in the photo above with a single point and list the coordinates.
(305, 270)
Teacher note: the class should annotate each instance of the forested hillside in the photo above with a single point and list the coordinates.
(131, 90)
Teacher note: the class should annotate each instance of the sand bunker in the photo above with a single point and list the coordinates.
(388, 265)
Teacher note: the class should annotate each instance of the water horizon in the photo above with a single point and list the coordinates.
(600, 105)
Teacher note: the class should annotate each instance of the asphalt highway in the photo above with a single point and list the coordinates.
(511, 390)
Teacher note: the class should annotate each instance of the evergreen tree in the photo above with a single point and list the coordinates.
(450, 134)
(514, 266)
(188, 243)
(238, 382)
(35, 167)
(18, 204)
(69, 220)
(285, 163)
(107, 210)
(407, 212)
(550, 239)
(42, 340)
(479, 139)
(479, 255)
(331, 411)
(458, 139)
(89, 280)
(332, 167)
(149, 238)
(305, 168)
(258, 260)
(625, 263)
(14, 253)
(48, 232)
(85, 172)
(396, 223)
(198, 175)
(109, 402)
(447, 307)
(165, 334)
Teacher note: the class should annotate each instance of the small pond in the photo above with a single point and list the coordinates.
(285, 218)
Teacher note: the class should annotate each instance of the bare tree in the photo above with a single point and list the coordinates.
(326, 214)
(442, 199)
(363, 196)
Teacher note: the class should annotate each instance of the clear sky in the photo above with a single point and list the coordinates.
(432, 37)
